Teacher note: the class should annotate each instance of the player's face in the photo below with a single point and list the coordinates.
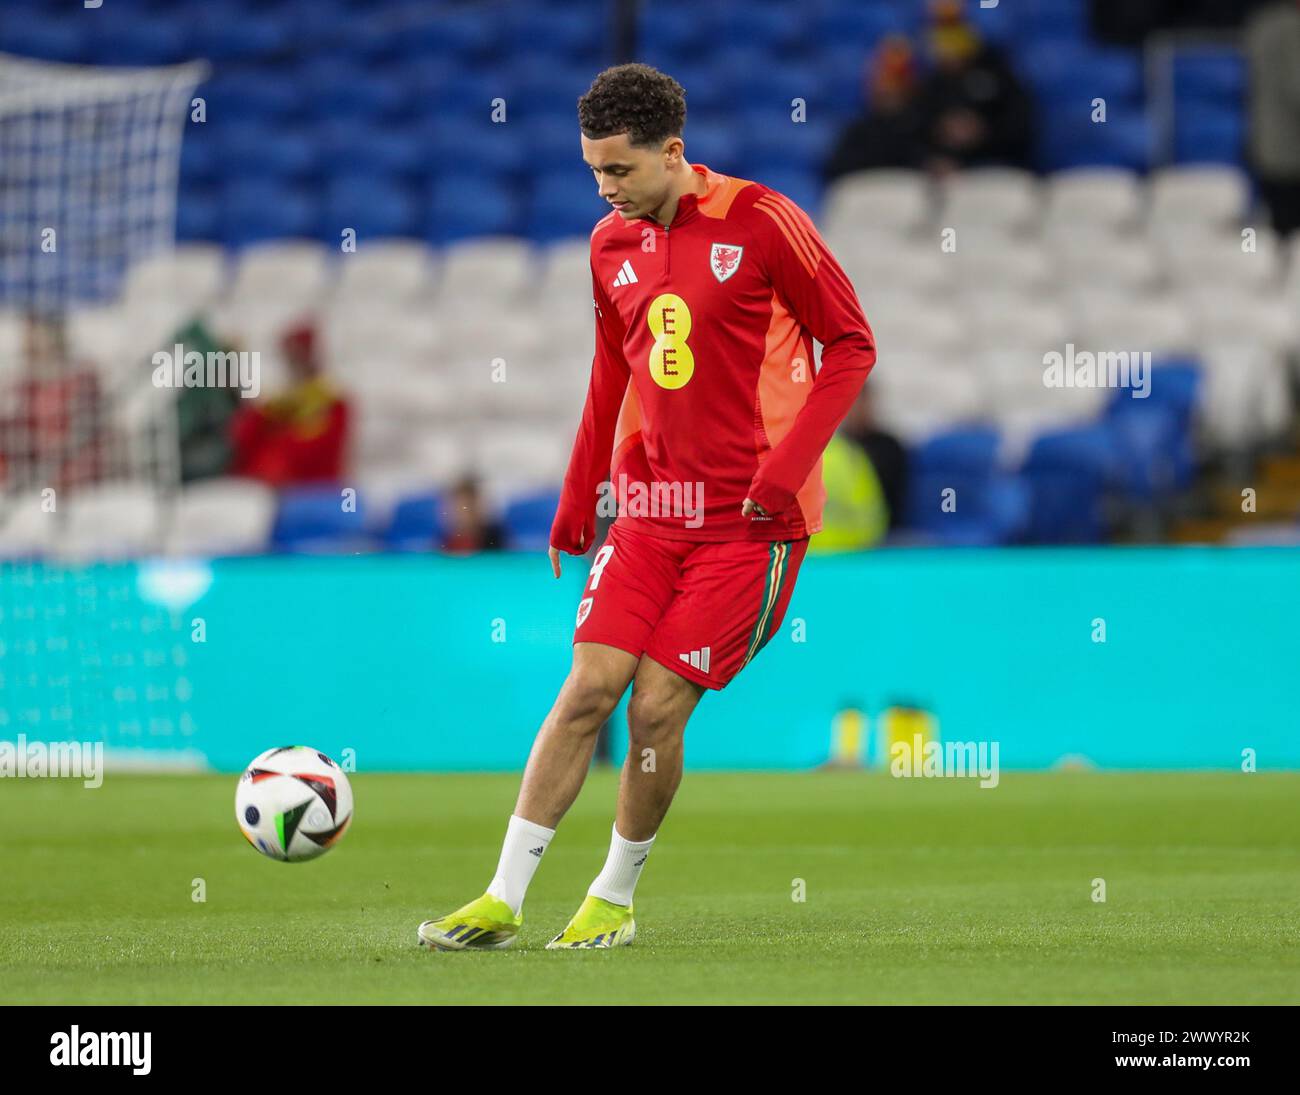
(633, 180)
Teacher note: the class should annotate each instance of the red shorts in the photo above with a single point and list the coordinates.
(703, 610)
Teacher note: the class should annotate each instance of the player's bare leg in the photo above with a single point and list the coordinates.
(661, 704)
(561, 753)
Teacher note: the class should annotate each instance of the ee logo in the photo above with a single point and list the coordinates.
(671, 361)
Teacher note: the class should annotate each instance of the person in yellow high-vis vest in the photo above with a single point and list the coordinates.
(855, 516)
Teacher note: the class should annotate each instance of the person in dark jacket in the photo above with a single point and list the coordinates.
(890, 132)
(975, 110)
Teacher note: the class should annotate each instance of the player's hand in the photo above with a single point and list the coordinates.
(749, 506)
(554, 554)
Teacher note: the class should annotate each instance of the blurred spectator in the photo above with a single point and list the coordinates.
(204, 414)
(468, 526)
(890, 133)
(855, 516)
(299, 436)
(887, 455)
(976, 111)
(53, 429)
(1272, 42)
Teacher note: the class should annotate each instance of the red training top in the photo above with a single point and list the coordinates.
(702, 386)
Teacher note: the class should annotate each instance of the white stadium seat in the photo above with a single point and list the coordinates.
(1118, 263)
(1157, 323)
(27, 527)
(1199, 197)
(386, 273)
(181, 283)
(999, 318)
(287, 276)
(999, 198)
(111, 521)
(990, 259)
(884, 200)
(225, 516)
(1221, 260)
(879, 261)
(1096, 198)
(488, 275)
(920, 394)
(1246, 398)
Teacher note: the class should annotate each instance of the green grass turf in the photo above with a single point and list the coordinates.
(918, 891)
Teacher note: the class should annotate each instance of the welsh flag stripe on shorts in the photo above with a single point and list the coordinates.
(771, 591)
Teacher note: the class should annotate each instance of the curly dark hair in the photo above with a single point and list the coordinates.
(646, 104)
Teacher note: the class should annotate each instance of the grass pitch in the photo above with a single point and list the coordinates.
(916, 891)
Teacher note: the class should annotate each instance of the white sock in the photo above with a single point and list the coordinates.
(522, 851)
(622, 869)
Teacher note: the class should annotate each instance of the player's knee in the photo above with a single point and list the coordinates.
(652, 718)
(588, 699)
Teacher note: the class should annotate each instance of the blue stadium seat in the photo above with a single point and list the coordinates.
(557, 33)
(200, 156)
(779, 28)
(375, 206)
(417, 524)
(47, 39)
(842, 65)
(563, 204)
(1205, 133)
(397, 148)
(1209, 76)
(1072, 72)
(864, 25)
(461, 206)
(1070, 139)
(803, 145)
(254, 94)
(471, 35)
(553, 144)
(1152, 436)
(782, 85)
(550, 91)
(715, 143)
(261, 209)
(527, 520)
(149, 39)
(1069, 473)
(361, 95)
(229, 33)
(1048, 18)
(478, 146)
(254, 150)
(452, 95)
(312, 520)
(198, 213)
(672, 34)
(991, 506)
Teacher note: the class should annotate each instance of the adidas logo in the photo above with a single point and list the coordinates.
(537, 851)
(626, 275)
(697, 659)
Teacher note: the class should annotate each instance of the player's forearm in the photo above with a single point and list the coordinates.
(845, 366)
(574, 523)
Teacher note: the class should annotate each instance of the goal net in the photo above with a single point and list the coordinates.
(89, 159)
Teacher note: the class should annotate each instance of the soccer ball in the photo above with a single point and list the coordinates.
(293, 803)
